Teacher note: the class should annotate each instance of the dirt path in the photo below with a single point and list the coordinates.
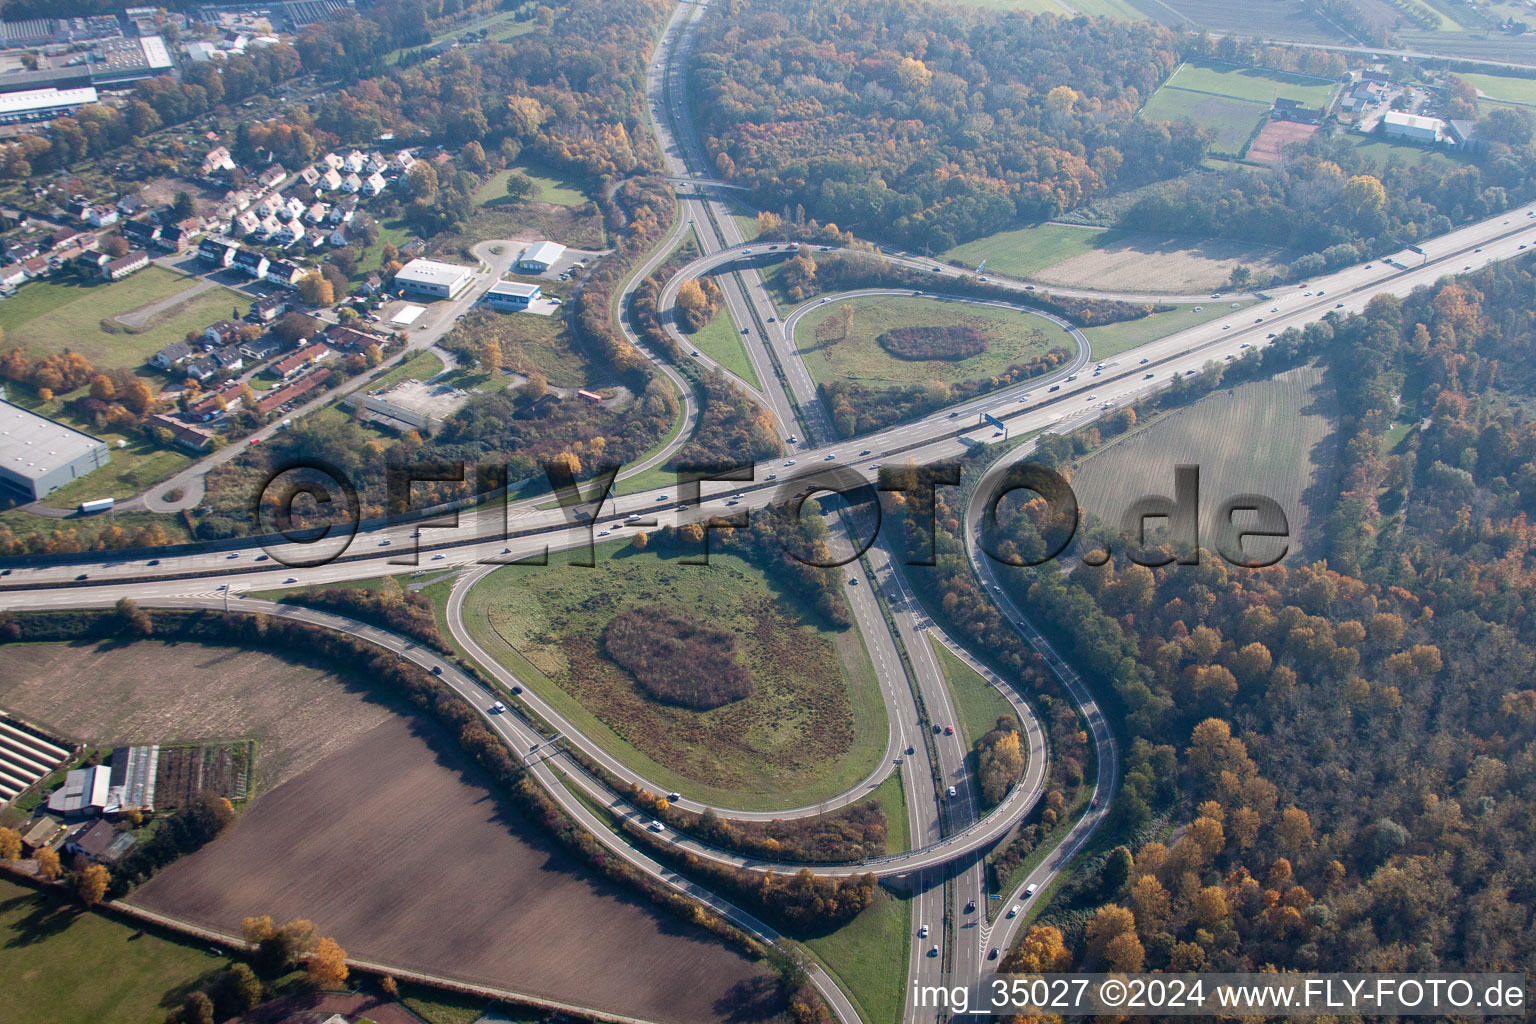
(136, 319)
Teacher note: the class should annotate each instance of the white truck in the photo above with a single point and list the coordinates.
(96, 505)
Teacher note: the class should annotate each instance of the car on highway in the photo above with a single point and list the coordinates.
(438, 557)
(949, 730)
(498, 707)
(1053, 387)
(746, 330)
(772, 319)
(1148, 376)
(992, 954)
(604, 533)
(437, 670)
(933, 950)
(517, 689)
(82, 576)
(789, 462)
(656, 826)
(864, 453)
(1013, 911)
(970, 907)
(661, 497)
(853, 581)
(911, 750)
(950, 792)
(830, 457)
(674, 797)
(922, 932)
(1144, 362)
(792, 439)
(291, 579)
(1030, 890)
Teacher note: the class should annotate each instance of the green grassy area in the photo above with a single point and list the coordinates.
(421, 366)
(437, 1007)
(528, 342)
(720, 339)
(1381, 150)
(45, 317)
(746, 223)
(393, 231)
(869, 956)
(892, 798)
(814, 726)
(553, 186)
(1254, 84)
(1025, 251)
(977, 703)
(1112, 339)
(1012, 336)
(1231, 120)
(1504, 87)
(50, 946)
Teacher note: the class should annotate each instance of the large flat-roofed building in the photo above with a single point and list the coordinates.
(540, 256)
(39, 455)
(41, 104)
(511, 295)
(429, 277)
(1412, 126)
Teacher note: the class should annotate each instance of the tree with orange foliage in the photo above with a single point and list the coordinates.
(327, 965)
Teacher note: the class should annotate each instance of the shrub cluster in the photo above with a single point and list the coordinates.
(677, 659)
(954, 341)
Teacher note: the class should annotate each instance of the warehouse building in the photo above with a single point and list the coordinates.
(511, 295)
(540, 256)
(85, 791)
(42, 104)
(39, 455)
(429, 277)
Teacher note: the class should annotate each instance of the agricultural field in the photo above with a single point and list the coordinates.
(1071, 256)
(1277, 19)
(1272, 437)
(813, 727)
(869, 956)
(110, 694)
(720, 339)
(375, 840)
(120, 324)
(1012, 336)
(1138, 261)
(1112, 339)
(47, 941)
(1231, 121)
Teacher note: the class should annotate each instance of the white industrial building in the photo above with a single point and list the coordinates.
(85, 791)
(429, 277)
(41, 104)
(540, 256)
(39, 455)
(1398, 125)
(511, 295)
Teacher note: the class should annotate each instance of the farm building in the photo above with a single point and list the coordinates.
(511, 295)
(26, 756)
(39, 455)
(429, 277)
(133, 777)
(1397, 125)
(540, 256)
(85, 791)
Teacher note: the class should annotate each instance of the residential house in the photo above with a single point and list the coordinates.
(269, 227)
(12, 277)
(269, 205)
(132, 205)
(309, 355)
(91, 261)
(350, 339)
(101, 216)
(355, 162)
(371, 284)
(218, 159)
(140, 232)
(404, 159)
(247, 223)
(289, 233)
(184, 434)
(23, 249)
(377, 162)
(281, 396)
(169, 356)
(330, 180)
(262, 349)
(317, 238)
(65, 236)
(317, 212)
(374, 184)
(116, 270)
(178, 237)
(272, 177)
(285, 273)
(351, 183)
(343, 210)
(229, 358)
(36, 267)
(222, 332)
(294, 207)
(202, 367)
(210, 407)
(267, 308)
(309, 176)
(333, 162)
(218, 251)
